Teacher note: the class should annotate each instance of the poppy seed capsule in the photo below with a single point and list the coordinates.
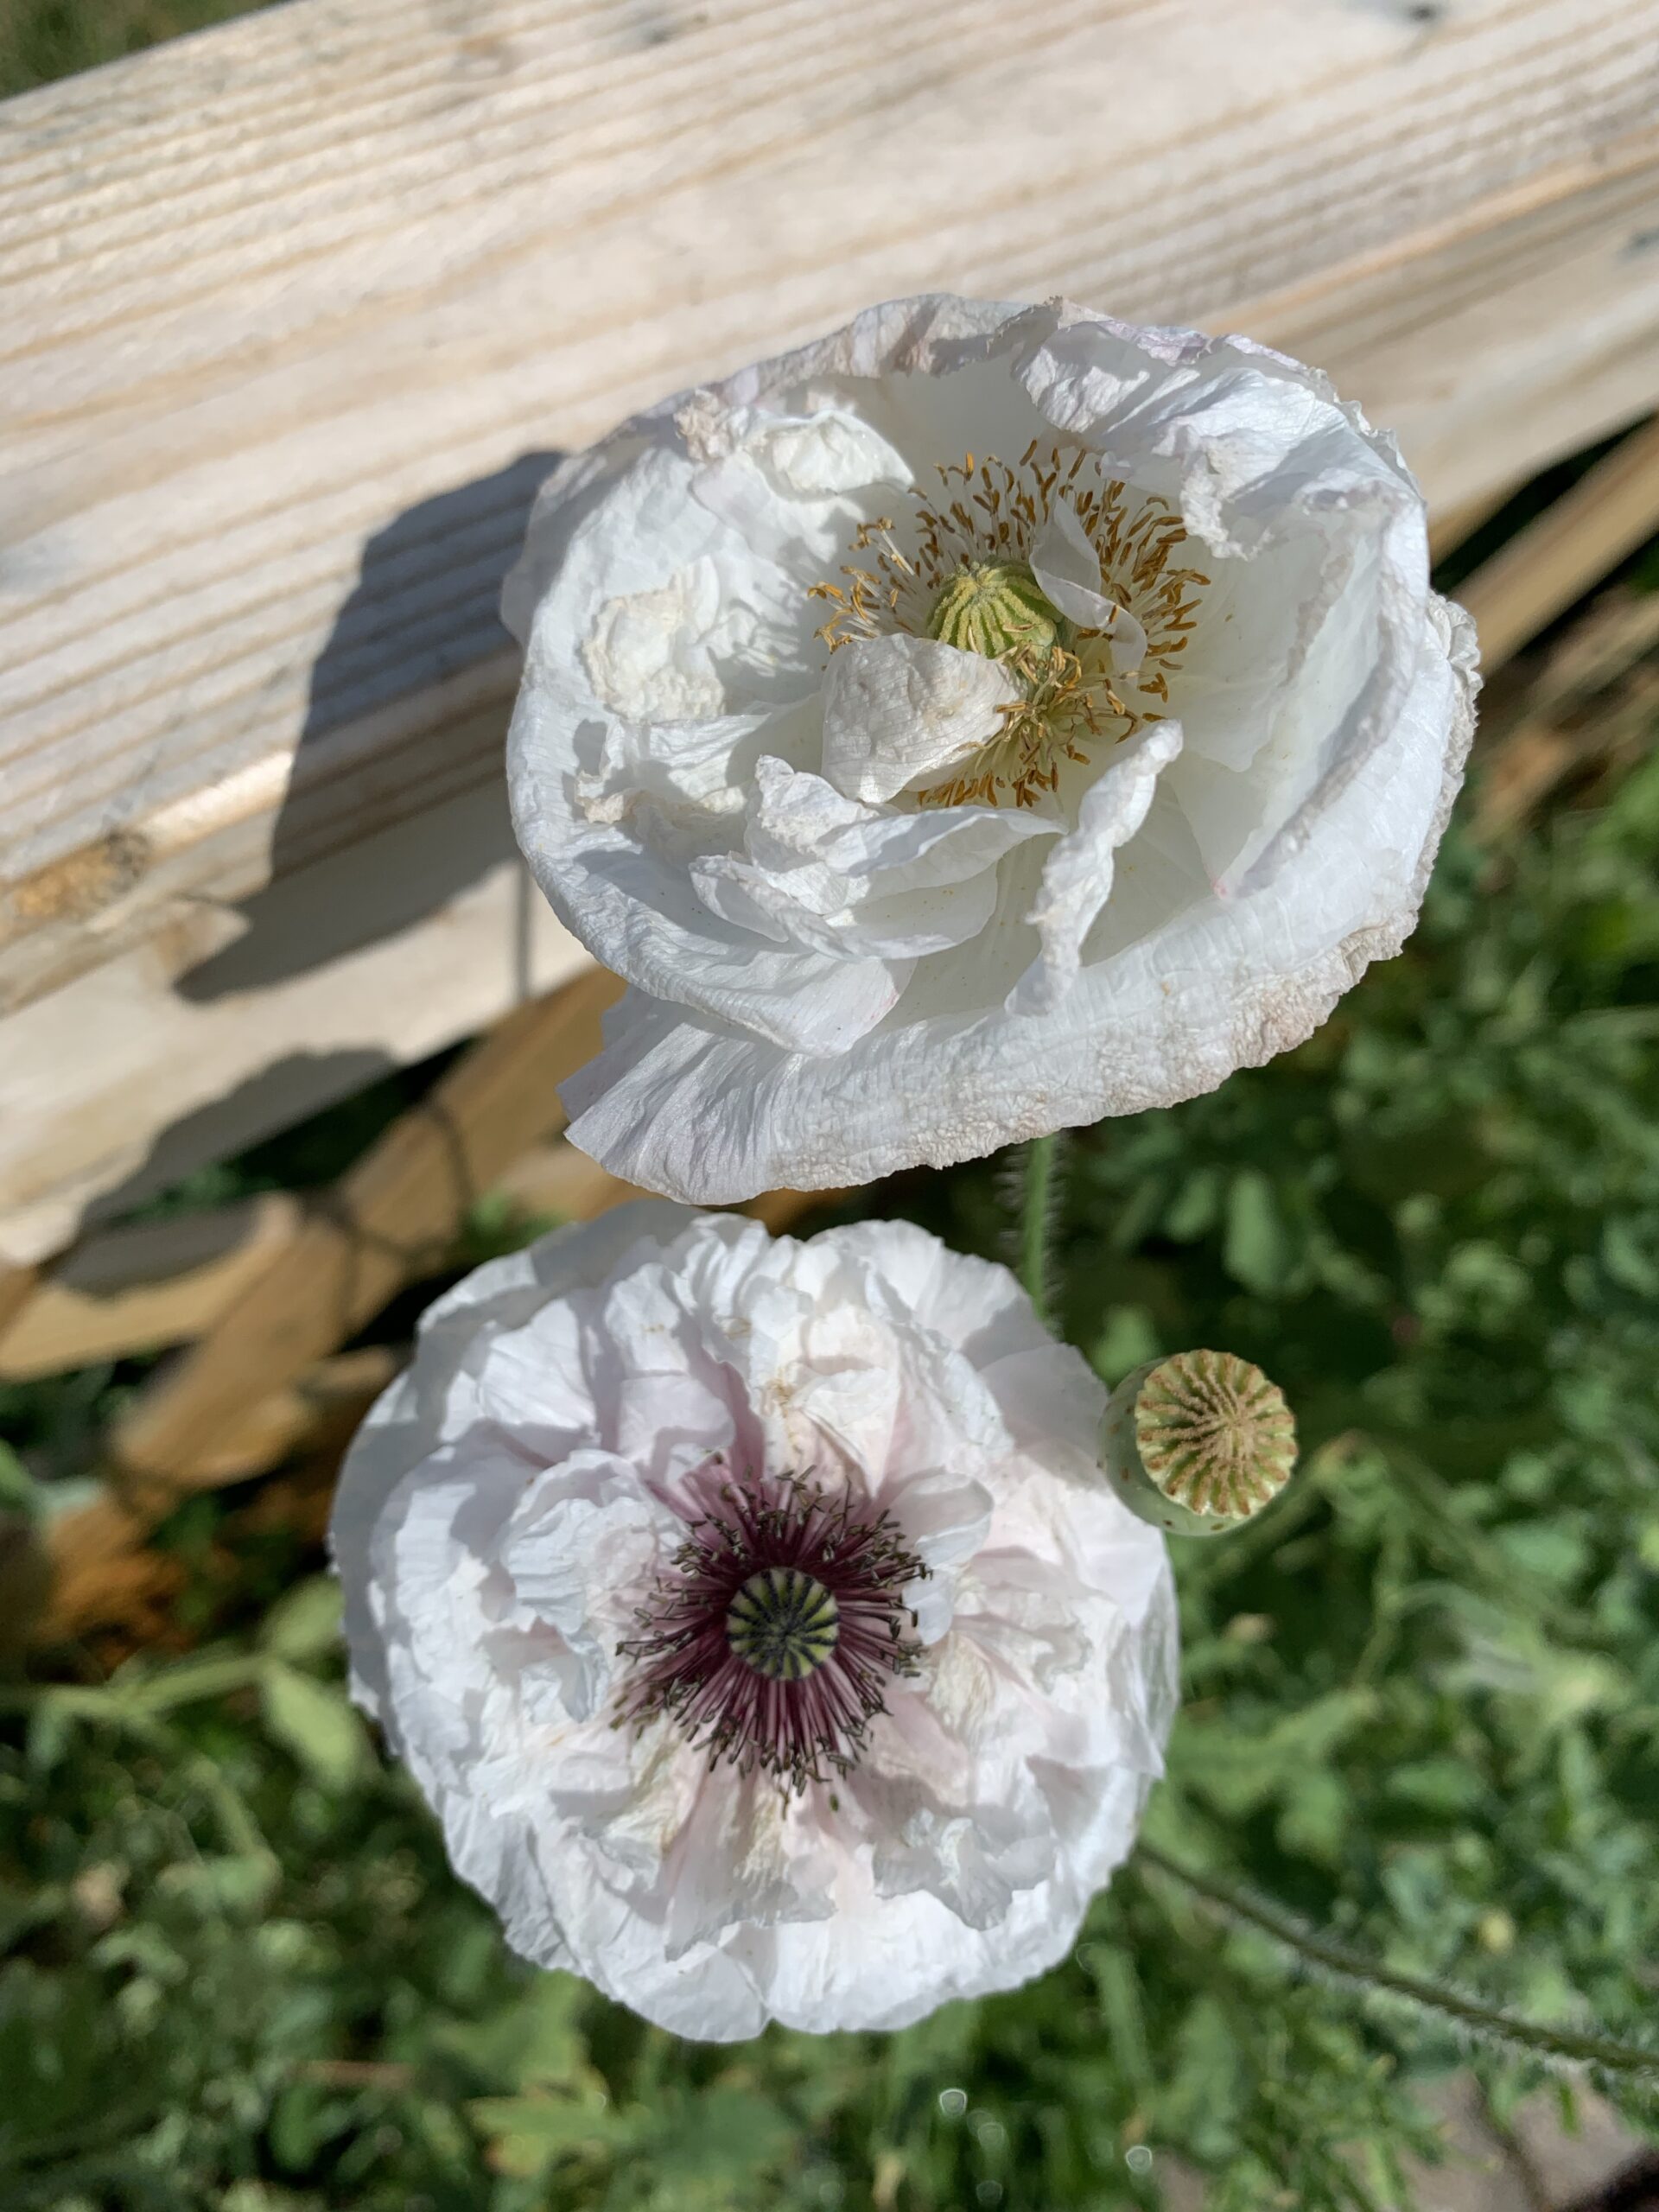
(1199, 1443)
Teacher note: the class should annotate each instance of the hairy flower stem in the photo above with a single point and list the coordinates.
(1039, 1208)
(1489, 2022)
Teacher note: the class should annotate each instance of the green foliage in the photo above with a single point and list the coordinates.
(40, 40)
(1420, 1701)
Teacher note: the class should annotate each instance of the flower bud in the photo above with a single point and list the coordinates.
(1199, 1443)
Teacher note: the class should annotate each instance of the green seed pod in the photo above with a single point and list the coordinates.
(1199, 1443)
(995, 607)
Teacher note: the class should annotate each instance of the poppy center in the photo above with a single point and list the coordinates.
(958, 569)
(774, 1633)
(784, 1624)
(995, 607)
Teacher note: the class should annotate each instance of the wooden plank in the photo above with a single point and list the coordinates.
(287, 311)
(1540, 754)
(555, 1181)
(95, 1554)
(1262, 159)
(393, 1218)
(316, 1001)
(1454, 335)
(1592, 700)
(1616, 630)
(17, 1287)
(328, 1398)
(143, 1288)
(155, 1283)
(1454, 526)
(1556, 560)
(781, 1211)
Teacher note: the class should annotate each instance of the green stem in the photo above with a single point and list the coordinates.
(1036, 1218)
(1560, 2044)
(183, 1683)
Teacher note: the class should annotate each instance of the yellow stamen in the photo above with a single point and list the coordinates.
(967, 579)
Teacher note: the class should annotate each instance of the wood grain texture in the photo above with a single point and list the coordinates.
(142, 1288)
(290, 315)
(96, 1560)
(1573, 545)
(226, 1025)
(1589, 703)
(153, 1284)
(17, 1291)
(392, 1219)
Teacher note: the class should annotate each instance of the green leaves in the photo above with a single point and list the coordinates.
(1261, 1249)
(305, 1623)
(313, 1722)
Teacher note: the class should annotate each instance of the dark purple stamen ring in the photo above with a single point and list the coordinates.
(773, 1636)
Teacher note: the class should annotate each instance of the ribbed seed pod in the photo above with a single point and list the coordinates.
(1198, 1443)
(995, 608)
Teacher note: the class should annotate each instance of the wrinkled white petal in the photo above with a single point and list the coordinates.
(1067, 568)
(898, 709)
(1078, 875)
(509, 1503)
(788, 482)
(651, 654)
(830, 874)
(813, 1001)
(561, 1551)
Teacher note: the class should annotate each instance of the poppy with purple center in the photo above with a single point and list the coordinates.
(756, 1619)
(774, 1637)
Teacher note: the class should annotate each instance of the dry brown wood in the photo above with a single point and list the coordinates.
(17, 1289)
(1620, 628)
(1452, 527)
(142, 1288)
(1535, 758)
(393, 1216)
(282, 308)
(1573, 543)
(159, 1283)
(779, 1210)
(244, 449)
(555, 1181)
(98, 1570)
(322, 1405)
(94, 1555)
(1588, 703)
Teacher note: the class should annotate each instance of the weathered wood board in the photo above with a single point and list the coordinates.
(291, 313)
(142, 1068)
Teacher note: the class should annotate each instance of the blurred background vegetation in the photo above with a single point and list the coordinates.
(40, 40)
(1422, 1696)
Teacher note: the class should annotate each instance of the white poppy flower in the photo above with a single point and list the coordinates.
(756, 1619)
(983, 720)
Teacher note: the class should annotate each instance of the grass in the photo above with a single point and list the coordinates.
(43, 39)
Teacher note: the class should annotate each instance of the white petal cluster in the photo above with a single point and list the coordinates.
(886, 893)
(503, 1512)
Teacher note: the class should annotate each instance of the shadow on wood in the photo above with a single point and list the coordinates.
(424, 610)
